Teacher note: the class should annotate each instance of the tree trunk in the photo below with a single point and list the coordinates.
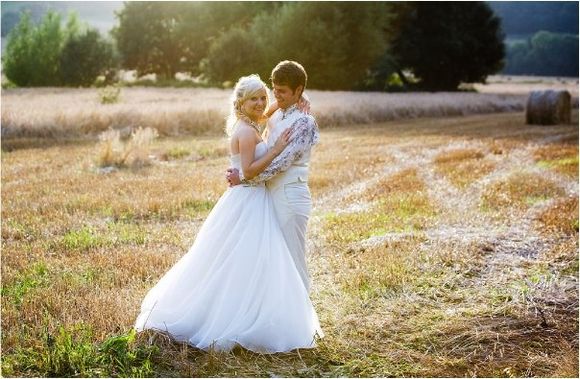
(403, 78)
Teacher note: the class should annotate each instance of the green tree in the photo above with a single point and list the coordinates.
(555, 54)
(545, 53)
(32, 52)
(84, 57)
(17, 60)
(147, 37)
(336, 42)
(206, 25)
(232, 55)
(516, 57)
(49, 55)
(447, 43)
(169, 37)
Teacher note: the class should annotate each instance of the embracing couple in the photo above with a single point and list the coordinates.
(244, 281)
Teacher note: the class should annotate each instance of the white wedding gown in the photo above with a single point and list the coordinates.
(237, 284)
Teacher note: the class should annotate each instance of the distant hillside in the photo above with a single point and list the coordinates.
(100, 15)
(541, 37)
(528, 17)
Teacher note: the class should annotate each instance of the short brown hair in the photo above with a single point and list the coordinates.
(289, 73)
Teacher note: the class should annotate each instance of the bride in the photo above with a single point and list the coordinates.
(237, 284)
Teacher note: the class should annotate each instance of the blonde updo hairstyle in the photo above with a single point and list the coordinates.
(245, 88)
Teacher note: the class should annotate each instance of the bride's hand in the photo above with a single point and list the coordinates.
(282, 141)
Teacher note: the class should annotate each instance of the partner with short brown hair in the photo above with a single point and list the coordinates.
(291, 74)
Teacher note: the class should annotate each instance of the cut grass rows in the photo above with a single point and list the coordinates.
(81, 249)
(397, 203)
(463, 166)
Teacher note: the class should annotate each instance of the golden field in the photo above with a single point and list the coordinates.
(64, 113)
(438, 246)
(68, 113)
(521, 84)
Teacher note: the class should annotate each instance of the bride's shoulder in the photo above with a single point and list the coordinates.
(244, 127)
(244, 131)
(242, 124)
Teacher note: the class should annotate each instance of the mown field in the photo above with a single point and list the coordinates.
(29, 114)
(440, 246)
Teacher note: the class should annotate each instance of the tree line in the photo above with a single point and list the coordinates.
(343, 45)
(48, 54)
(544, 53)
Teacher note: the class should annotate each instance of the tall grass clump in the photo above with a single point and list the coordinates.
(109, 94)
(71, 352)
(134, 153)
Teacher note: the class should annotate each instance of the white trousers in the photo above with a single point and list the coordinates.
(293, 204)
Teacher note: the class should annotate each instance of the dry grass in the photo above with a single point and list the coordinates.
(463, 166)
(378, 271)
(519, 190)
(398, 203)
(519, 84)
(134, 153)
(64, 113)
(561, 157)
(561, 217)
(404, 283)
(404, 181)
(458, 155)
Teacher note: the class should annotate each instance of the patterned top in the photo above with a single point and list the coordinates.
(304, 135)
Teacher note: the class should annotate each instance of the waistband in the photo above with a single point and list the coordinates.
(262, 184)
(295, 173)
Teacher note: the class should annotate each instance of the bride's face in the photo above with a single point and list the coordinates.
(255, 106)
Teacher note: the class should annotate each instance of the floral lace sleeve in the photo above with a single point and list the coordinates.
(305, 135)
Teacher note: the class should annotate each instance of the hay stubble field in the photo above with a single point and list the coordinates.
(438, 246)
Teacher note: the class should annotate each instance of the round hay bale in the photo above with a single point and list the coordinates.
(548, 107)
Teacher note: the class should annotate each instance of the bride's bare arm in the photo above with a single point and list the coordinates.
(247, 144)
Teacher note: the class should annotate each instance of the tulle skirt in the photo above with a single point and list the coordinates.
(236, 285)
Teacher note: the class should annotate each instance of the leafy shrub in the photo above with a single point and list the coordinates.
(84, 57)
